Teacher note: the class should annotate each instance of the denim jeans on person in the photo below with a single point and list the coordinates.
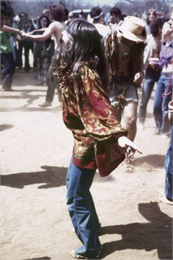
(52, 83)
(151, 77)
(168, 169)
(8, 69)
(82, 210)
(160, 106)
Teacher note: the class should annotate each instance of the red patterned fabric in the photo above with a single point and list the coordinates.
(88, 114)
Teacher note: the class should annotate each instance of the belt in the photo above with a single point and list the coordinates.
(167, 74)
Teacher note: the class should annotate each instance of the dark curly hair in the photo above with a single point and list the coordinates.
(57, 13)
(7, 8)
(47, 19)
(156, 24)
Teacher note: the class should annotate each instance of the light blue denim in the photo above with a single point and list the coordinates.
(82, 210)
(151, 77)
(130, 92)
(160, 106)
(168, 169)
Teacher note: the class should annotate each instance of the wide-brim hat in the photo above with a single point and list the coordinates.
(132, 28)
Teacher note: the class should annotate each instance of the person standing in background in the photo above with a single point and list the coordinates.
(7, 57)
(164, 87)
(22, 25)
(54, 30)
(97, 19)
(42, 52)
(151, 15)
(115, 18)
(152, 50)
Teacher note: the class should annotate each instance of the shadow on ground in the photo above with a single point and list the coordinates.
(5, 127)
(40, 258)
(154, 235)
(155, 160)
(51, 177)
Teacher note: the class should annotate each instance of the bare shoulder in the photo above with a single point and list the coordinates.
(56, 25)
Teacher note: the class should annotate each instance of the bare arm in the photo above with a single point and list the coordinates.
(37, 30)
(48, 32)
(6, 28)
(52, 29)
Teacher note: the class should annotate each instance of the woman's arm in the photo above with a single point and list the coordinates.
(97, 114)
(6, 28)
(94, 107)
(37, 30)
(47, 33)
(53, 27)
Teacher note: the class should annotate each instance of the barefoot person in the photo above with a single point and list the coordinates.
(87, 112)
(124, 50)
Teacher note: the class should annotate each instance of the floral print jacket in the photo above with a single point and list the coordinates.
(88, 114)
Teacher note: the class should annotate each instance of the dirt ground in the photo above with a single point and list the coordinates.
(36, 149)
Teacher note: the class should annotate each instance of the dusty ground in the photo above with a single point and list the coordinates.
(35, 152)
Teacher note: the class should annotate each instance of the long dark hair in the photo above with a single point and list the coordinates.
(47, 19)
(85, 46)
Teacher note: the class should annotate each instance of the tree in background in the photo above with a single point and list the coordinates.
(34, 7)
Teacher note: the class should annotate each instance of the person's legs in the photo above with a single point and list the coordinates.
(165, 128)
(130, 118)
(38, 70)
(51, 86)
(166, 196)
(115, 102)
(82, 210)
(157, 105)
(27, 47)
(21, 46)
(7, 60)
(168, 169)
(45, 67)
(149, 81)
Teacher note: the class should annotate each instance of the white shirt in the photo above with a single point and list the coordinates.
(102, 29)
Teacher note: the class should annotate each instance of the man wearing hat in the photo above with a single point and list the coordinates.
(124, 50)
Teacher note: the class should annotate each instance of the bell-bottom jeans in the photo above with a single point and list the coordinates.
(160, 108)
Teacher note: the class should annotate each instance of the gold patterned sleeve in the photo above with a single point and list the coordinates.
(94, 107)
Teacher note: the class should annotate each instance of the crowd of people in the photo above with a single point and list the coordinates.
(97, 65)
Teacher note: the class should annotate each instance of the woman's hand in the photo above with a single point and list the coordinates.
(138, 78)
(129, 147)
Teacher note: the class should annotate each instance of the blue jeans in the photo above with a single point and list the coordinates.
(161, 103)
(168, 169)
(82, 210)
(7, 73)
(151, 77)
(52, 83)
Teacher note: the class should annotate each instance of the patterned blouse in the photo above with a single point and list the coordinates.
(88, 114)
(166, 55)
